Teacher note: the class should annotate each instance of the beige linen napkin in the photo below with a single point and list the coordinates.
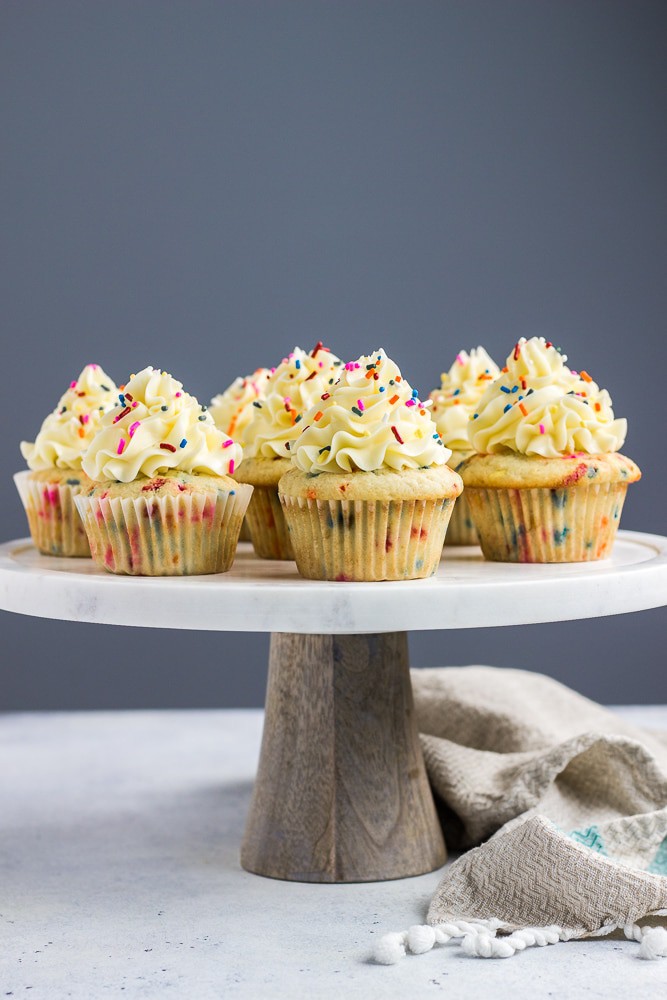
(567, 802)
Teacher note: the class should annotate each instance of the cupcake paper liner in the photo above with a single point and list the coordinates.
(268, 528)
(461, 530)
(367, 540)
(55, 525)
(165, 536)
(575, 524)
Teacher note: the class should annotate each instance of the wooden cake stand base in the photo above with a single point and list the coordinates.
(341, 793)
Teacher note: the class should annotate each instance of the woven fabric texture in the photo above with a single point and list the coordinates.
(563, 803)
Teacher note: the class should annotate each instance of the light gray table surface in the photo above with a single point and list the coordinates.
(120, 877)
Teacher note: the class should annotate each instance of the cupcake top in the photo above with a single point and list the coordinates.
(370, 420)
(232, 410)
(156, 426)
(68, 430)
(293, 387)
(538, 406)
(460, 390)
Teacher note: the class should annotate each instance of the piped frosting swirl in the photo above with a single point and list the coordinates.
(68, 430)
(371, 419)
(232, 410)
(538, 406)
(460, 390)
(157, 426)
(295, 385)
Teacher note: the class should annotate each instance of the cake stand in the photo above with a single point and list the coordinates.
(341, 793)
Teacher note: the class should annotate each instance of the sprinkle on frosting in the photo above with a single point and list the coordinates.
(460, 390)
(68, 430)
(164, 429)
(538, 406)
(384, 432)
(232, 409)
(294, 386)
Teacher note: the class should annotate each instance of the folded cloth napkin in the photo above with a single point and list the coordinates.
(568, 803)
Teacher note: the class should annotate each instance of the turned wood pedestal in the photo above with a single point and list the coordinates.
(341, 792)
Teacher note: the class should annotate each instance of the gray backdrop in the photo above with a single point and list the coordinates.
(201, 185)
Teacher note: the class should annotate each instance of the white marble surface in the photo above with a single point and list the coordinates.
(119, 877)
(269, 596)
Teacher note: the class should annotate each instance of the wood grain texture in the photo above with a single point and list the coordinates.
(341, 793)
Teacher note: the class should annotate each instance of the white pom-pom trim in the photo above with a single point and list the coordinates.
(654, 943)
(421, 938)
(390, 949)
(478, 938)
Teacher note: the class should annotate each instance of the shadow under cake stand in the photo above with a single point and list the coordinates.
(341, 793)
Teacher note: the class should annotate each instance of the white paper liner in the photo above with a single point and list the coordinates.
(365, 539)
(576, 524)
(461, 530)
(55, 525)
(192, 533)
(268, 528)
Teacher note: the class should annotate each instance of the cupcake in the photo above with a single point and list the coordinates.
(295, 385)
(54, 459)
(548, 483)
(369, 493)
(162, 501)
(453, 406)
(232, 411)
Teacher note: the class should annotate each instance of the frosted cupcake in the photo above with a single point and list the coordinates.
(163, 502)
(453, 406)
(54, 459)
(548, 484)
(295, 385)
(369, 494)
(232, 410)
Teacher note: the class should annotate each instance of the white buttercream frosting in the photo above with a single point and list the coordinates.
(68, 430)
(232, 410)
(460, 390)
(157, 426)
(295, 385)
(538, 406)
(370, 419)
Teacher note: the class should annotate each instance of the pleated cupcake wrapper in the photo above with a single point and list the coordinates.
(576, 524)
(268, 528)
(365, 539)
(55, 525)
(245, 535)
(165, 536)
(461, 530)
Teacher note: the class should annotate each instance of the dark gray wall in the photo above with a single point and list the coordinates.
(200, 185)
